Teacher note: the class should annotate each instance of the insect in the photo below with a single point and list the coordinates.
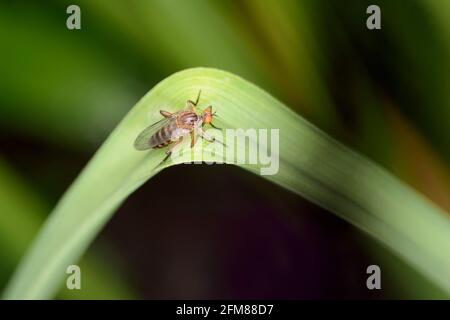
(171, 130)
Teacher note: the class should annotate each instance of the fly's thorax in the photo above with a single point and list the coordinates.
(187, 120)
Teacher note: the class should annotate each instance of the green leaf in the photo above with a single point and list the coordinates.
(311, 164)
(23, 212)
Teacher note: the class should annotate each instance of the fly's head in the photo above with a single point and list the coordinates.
(207, 116)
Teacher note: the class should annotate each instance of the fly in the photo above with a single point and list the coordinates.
(171, 130)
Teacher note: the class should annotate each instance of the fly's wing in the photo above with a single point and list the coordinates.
(142, 141)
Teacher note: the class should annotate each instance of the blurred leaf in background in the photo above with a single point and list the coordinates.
(56, 85)
(21, 217)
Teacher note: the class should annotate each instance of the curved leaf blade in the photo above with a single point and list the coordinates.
(312, 164)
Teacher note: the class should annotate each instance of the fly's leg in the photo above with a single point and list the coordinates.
(165, 114)
(169, 150)
(198, 97)
(203, 135)
(166, 157)
(191, 104)
(193, 138)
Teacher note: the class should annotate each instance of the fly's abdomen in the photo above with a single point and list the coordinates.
(161, 137)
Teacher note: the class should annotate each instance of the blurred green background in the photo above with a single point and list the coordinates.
(384, 92)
